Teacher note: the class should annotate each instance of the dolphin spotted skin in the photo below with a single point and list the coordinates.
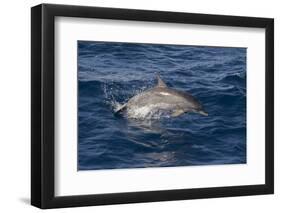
(161, 98)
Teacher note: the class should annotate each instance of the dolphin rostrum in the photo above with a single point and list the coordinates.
(161, 98)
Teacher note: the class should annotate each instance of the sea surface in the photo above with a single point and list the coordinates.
(109, 73)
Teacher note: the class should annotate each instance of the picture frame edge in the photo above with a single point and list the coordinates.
(42, 115)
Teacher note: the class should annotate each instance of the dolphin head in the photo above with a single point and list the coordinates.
(203, 112)
(193, 105)
(199, 109)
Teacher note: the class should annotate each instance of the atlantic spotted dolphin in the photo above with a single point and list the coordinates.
(161, 98)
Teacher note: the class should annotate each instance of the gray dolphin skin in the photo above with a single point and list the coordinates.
(161, 98)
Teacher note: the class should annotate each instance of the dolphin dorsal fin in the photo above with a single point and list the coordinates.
(160, 82)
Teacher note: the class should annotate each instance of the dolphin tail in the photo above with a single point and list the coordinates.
(160, 82)
(120, 108)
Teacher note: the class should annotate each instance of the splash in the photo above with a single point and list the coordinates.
(110, 97)
(113, 96)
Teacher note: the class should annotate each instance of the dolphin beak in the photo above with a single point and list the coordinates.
(203, 113)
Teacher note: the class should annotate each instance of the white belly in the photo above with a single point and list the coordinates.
(148, 111)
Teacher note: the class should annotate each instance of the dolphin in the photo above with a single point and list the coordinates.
(161, 98)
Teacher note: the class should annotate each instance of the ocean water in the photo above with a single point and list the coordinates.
(109, 73)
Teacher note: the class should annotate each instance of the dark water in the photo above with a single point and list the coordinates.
(114, 72)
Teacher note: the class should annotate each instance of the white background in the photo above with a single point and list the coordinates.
(15, 106)
(70, 182)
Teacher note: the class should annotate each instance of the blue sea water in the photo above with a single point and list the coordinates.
(112, 72)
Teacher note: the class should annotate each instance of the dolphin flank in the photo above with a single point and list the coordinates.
(161, 98)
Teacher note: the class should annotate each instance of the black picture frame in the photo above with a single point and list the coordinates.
(43, 111)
